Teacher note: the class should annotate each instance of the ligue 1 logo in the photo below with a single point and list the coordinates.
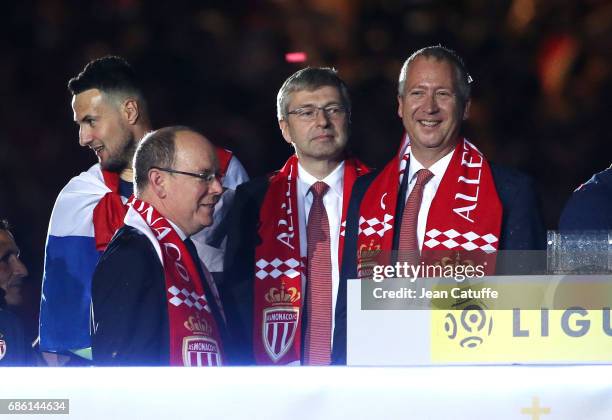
(473, 326)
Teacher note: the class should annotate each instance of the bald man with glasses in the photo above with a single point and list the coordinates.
(154, 301)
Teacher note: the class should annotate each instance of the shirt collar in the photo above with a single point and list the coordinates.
(437, 168)
(334, 179)
(178, 230)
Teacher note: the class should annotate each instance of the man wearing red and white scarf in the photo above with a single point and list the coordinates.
(438, 195)
(153, 302)
(112, 115)
(286, 232)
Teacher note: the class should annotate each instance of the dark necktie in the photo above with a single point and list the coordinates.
(210, 288)
(408, 249)
(317, 341)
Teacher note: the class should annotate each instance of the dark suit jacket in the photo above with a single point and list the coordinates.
(14, 349)
(590, 207)
(130, 309)
(239, 275)
(239, 262)
(522, 229)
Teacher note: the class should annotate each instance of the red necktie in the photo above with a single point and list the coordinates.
(317, 342)
(408, 249)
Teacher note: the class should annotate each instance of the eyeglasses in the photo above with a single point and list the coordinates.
(310, 113)
(204, 176)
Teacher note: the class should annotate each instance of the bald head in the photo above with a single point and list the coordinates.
(175, 171)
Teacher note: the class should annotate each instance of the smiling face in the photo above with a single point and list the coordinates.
(324, 138)
(12, 270)
(187, 200)
(104, 129)
(430, 109)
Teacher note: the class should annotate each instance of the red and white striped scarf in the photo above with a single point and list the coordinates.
(195, 338)
(278, 269)
(465, 215)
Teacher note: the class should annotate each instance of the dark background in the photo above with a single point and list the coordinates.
(541, 99)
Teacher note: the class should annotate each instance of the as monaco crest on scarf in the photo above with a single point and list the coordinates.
(280, 322)
(200, 349)
(279, 268)
(194, 335)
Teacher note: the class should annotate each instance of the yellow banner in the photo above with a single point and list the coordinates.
(474, 335)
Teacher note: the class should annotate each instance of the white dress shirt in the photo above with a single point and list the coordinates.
(429, 191)
(332, 200)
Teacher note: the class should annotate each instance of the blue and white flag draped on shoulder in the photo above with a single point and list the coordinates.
(70, 260)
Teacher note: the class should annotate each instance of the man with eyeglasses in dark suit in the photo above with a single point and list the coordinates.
(112, 116)
(154, 303)
(286, 236)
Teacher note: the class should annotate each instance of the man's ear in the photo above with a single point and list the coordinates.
(284, 127)
(400, 106)
(157, 182)
(131, 110)
(466, 109)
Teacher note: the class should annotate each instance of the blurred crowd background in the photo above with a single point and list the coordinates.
(542, 89)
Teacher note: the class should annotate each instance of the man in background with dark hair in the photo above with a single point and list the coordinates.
(154, 303)
(12, 270)
(14, 349)
(111, 112)
(285, 234)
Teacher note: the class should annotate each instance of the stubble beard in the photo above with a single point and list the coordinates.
(123, 158)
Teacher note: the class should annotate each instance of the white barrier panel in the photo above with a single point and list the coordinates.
(573, 327)
(457, 392)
